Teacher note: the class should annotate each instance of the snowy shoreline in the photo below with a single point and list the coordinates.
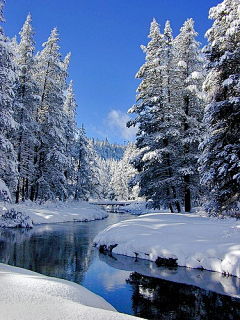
(57, 212)
(190, 240)
(28, 295)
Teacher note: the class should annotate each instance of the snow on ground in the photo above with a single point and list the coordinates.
(196, 242)
(29, 295)
(51, 212)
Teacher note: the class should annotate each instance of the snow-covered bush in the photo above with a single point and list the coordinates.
(15, 219)
(4, 192)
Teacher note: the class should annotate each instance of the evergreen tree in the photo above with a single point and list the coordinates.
(2, 2)
(52, 161)
(119, 182)
(8, 158)
(87, 169)
(71, 133)
(188, 99)
(25, 110)
(157, 125)
(129, 171)
(113, 165)
(104, 177)
(219, 164)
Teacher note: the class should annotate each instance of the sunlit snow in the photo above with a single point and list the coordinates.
(29, 295)
(196, 242)
(50, 212)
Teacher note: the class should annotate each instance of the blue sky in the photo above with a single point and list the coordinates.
(104, 37)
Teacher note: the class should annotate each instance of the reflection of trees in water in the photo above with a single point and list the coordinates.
(160, 299)
(54, 253)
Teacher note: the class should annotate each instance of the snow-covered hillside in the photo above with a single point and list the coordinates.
(108, 150)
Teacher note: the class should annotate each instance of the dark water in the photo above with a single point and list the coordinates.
(134, 287)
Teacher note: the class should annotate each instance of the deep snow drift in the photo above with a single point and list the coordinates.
(194, 241)
(50, 212)
(29, 295)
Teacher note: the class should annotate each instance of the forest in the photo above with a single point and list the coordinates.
(187, 113)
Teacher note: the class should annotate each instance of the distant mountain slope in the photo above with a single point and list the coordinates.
(108, 150)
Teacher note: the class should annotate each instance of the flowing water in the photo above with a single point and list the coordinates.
(135, 287)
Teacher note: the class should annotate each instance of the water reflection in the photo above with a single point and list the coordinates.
(63, 250)
(211, 281)
(178, 293)
(159, 299)
(66, 251)
(50, 252)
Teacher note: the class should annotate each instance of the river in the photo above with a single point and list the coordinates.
(138, 288)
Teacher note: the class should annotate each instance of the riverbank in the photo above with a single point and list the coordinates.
(29, 295)
(55, 212)
(177, 240)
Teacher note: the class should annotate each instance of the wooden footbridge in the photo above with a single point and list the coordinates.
(111, 203)
(114, 205)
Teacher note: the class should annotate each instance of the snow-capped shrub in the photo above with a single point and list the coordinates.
(15, 219)
(4, 192)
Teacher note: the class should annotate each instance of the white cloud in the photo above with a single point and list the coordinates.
(116, 122)
(113, 127)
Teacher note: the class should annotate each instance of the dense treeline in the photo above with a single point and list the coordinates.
(187, 110)
(187, 113)
(43, 153)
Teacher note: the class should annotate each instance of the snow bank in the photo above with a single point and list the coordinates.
(58, 212)
(190, 240)
(14, 219)
(137, 207)
(29, 295)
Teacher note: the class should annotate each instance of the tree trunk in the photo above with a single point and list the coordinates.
(187, 193)
(23, 190)
(18, 192)
(170, 176)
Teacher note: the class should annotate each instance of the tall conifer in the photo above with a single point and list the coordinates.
(188, 99)
(219, 165)
(25, 110)
(8, 77)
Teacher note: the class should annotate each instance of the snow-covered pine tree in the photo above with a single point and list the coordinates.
(104, 177)
(112, 165)
(52, 161)
(8, 157)
(2, 2)
(95, 183)
(156, 122)
(82, 175)
(129, 171)
(188, 101)
(219, 163)
(71, 133)
(25, 110)
(87, 169)
(119, 182)
(170, 132)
